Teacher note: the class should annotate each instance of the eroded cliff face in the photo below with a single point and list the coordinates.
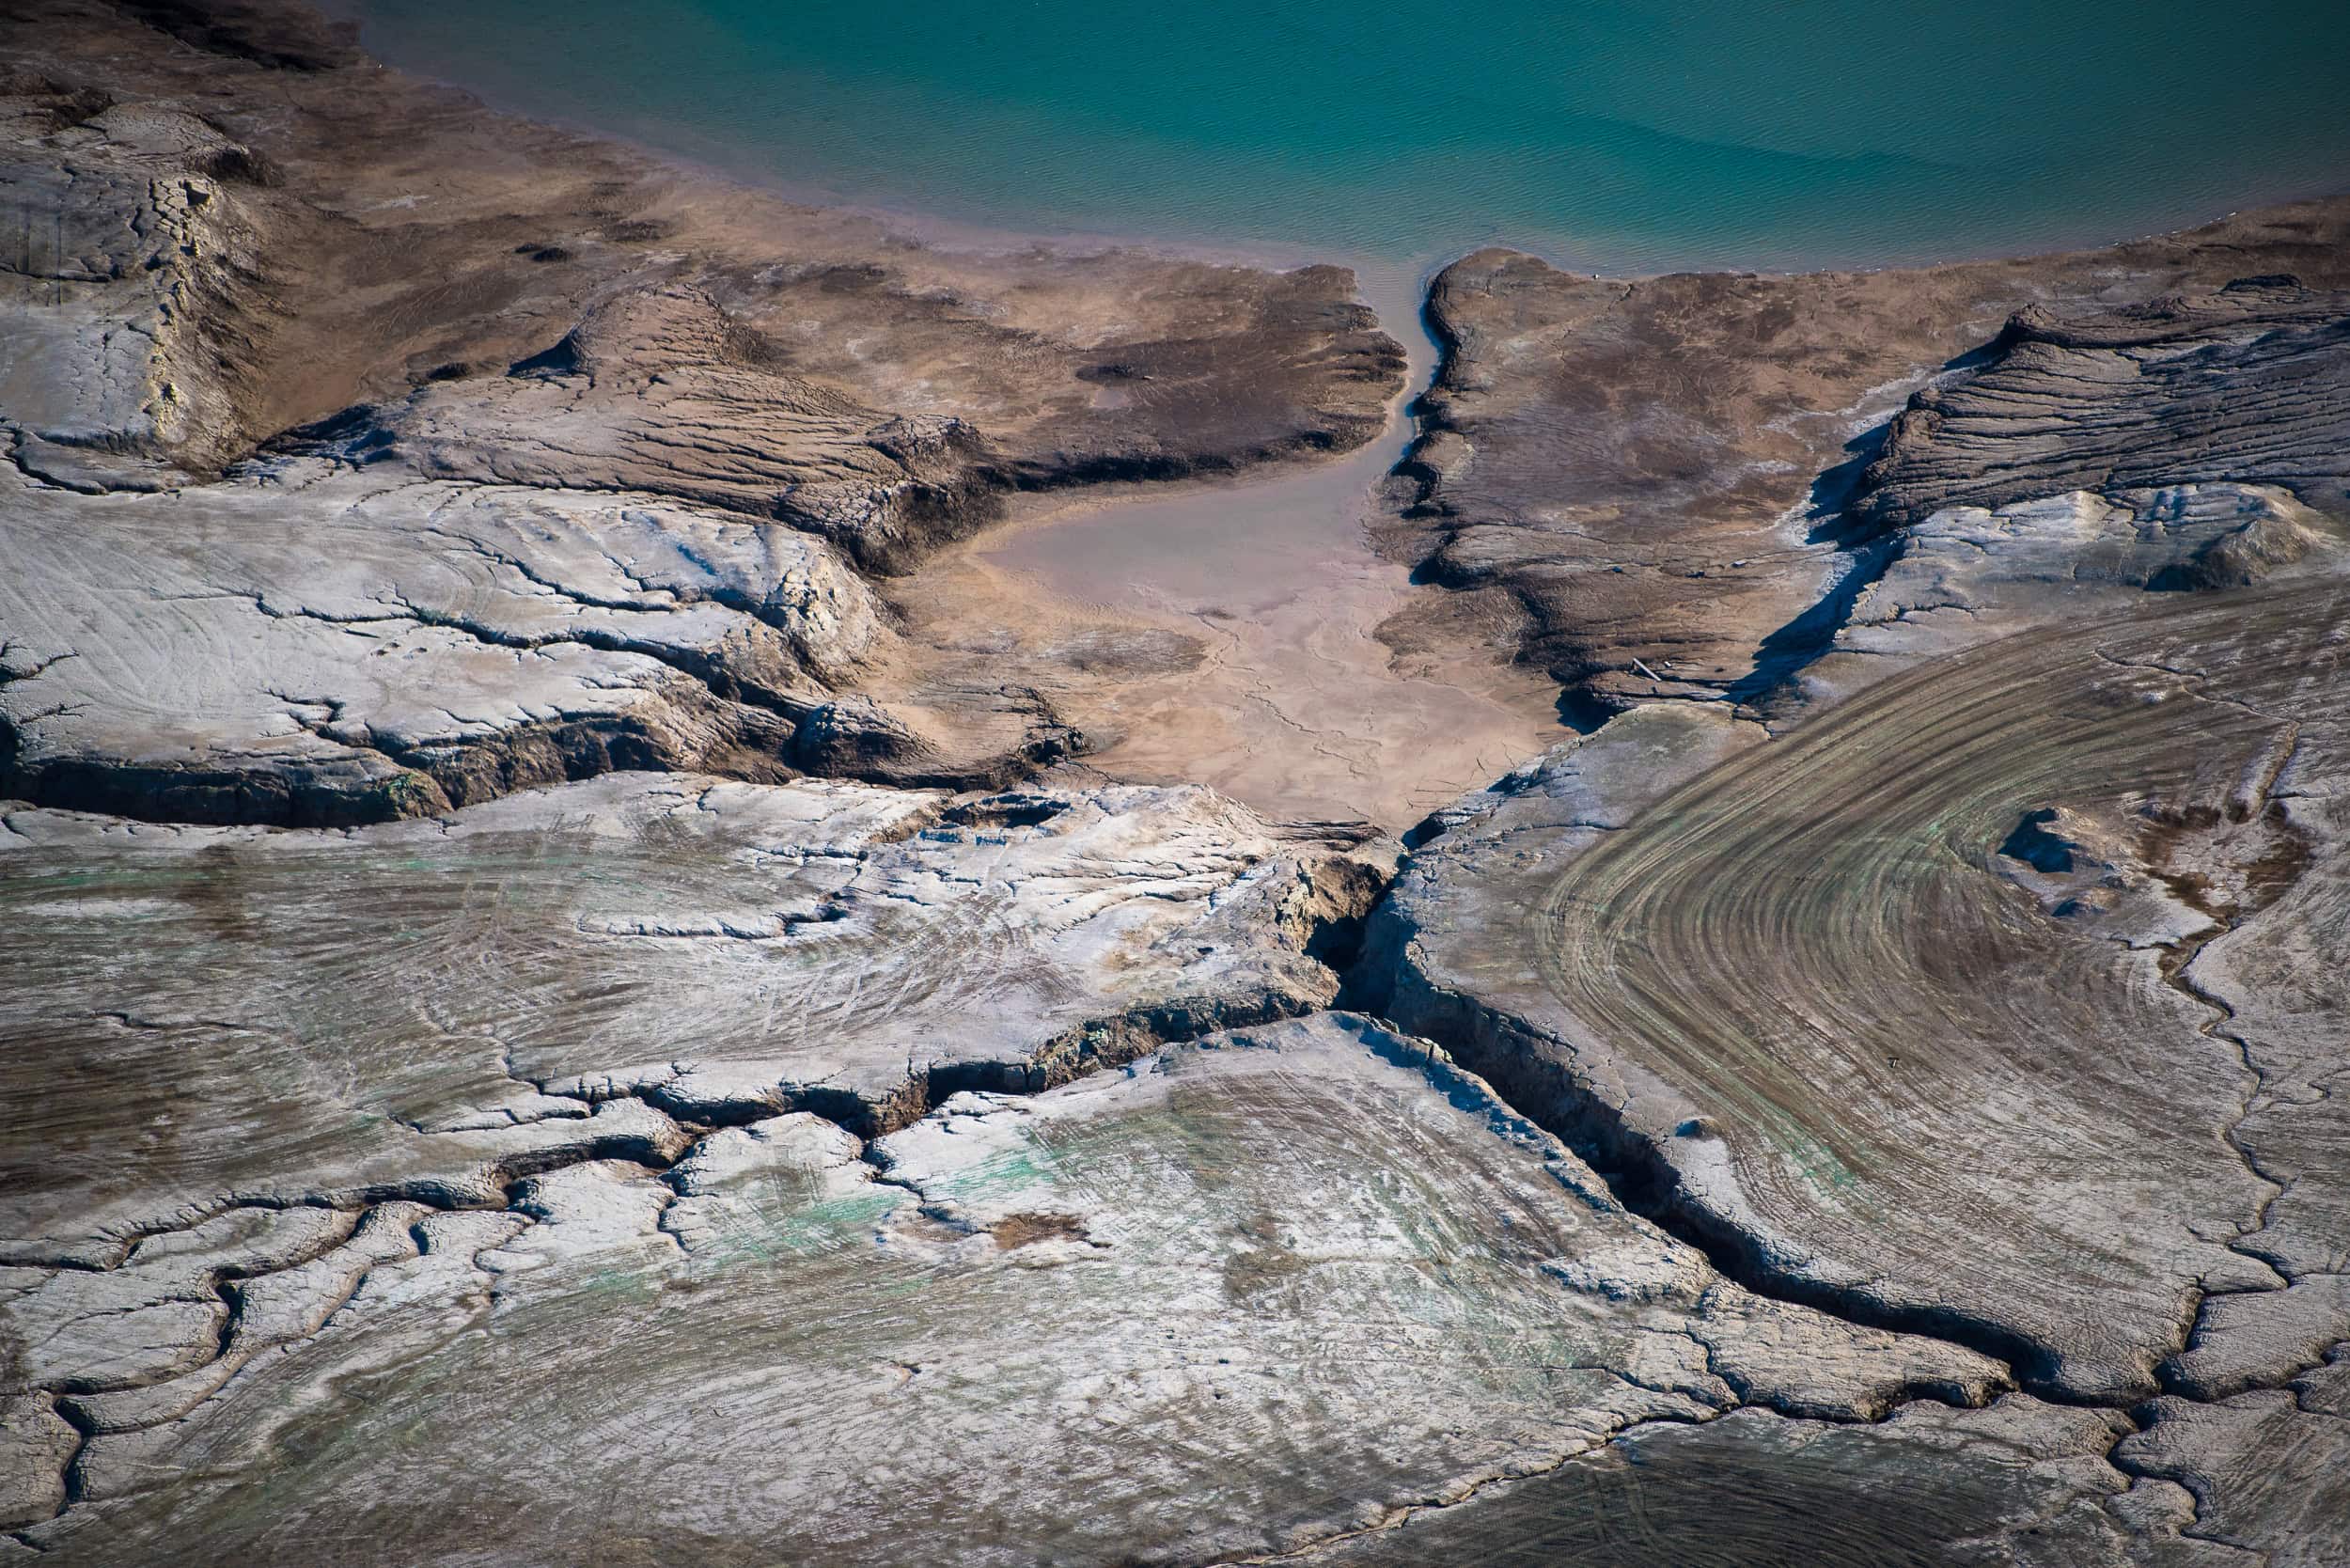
(513, 1055)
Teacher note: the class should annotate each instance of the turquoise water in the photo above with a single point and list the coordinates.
(1633, 136)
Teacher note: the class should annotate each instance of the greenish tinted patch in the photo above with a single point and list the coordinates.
(1811, 1159)
(404, 793)
(56, 880)
(605, 1285)
(819, 1226)
(999, 1175)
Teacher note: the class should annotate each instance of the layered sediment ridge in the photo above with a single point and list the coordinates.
(476, 455)
(1643, 485)
(516, 1054)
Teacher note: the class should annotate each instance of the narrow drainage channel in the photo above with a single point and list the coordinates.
(1285, 697)
(1512, 1060)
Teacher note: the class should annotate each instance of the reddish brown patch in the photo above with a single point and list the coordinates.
(1015, 1231)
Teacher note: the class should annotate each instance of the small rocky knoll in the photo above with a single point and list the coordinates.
(2191, 445)
(1966, 574)
(660, 391)
(130, 294)
(2249, 385)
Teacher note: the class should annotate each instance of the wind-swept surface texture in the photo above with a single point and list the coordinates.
(1895, 1003)
(1182, 1292)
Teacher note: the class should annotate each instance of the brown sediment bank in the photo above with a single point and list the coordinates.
(1222, 629)
(1647, 480)
(1228, 632)
(837, 1124)
(337, 265)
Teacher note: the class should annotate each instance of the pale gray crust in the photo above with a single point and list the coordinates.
(513, 1056)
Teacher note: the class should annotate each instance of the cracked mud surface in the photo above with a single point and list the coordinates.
(1981, 984)
(1260, 1243)
(498, 976)
(586, 976)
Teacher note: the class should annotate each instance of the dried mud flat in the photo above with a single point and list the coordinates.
(580, 982)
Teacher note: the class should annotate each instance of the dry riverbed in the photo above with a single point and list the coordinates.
(1229, 632)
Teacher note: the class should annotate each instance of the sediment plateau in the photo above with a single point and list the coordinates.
(548, 1017)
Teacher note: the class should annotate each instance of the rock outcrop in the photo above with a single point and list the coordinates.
(2251, 385)
(1964, 574)
(660, 391)
(130, 288)
(2191, 445)
(307, 644)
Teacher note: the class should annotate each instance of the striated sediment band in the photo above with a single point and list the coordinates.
(553, 1009)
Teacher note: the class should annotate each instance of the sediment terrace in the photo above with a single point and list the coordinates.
(566, 1001)
(1883, 1013)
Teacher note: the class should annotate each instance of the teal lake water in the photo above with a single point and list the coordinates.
(1633, 135)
